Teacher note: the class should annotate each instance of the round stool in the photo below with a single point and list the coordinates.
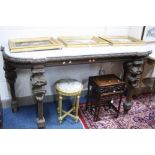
(68, 87)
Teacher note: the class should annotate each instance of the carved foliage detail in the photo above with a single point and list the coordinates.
(38, 83)
(10, 73)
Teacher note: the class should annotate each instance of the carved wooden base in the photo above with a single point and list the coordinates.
(41, 123)
(127, 106)
(38, 89)
(133, 72)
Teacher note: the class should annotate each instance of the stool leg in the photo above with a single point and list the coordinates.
(60, 109)
(74, 106)
(58, 105)
(77, 109)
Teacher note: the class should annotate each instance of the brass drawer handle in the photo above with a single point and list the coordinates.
(89, 60)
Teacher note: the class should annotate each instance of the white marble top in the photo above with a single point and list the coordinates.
(82, 51)
(68, 85)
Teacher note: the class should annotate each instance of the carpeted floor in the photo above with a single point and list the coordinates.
(139, 117)
(25, 118)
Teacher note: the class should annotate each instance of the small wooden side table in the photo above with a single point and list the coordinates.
(101, 90)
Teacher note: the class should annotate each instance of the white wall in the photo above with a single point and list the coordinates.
(136, 31)
(23, 87)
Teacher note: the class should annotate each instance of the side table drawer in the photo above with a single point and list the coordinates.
(113, 88)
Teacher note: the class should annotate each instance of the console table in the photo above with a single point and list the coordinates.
(132, 57)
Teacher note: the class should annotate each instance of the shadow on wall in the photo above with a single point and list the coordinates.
(148, 70)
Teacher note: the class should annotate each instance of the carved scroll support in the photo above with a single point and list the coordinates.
(11, 75)
(133, 72)
(38, 89)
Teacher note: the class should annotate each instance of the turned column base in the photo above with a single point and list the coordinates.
(14, 106)
(41, 123)
(127, 106)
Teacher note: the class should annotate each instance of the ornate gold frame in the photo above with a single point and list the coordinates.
(53, 44)
(96, 41)
(134, 41)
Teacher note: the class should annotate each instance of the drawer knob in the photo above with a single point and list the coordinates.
(89, 60)
(64, 62)
(70, 62)
(93, 60)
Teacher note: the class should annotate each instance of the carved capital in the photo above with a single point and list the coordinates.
(10, 72)
(134, 70)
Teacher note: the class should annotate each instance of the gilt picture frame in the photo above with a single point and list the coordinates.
(33, 44)
(148, 34)
(82, 41)
(122, 40)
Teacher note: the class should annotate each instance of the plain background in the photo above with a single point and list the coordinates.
(81, 13)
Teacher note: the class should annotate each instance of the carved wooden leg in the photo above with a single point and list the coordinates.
(38, 90)
(97, 109)
(134, 72)
(11, 75)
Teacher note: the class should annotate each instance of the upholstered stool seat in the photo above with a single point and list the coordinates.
(68, 87)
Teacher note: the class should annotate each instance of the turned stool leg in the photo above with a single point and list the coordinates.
(60, 109)
(74, 106)
(77, 108)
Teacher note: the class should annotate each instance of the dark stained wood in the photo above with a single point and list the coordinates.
(103, 89)
(38, 89)
(11, 75)
(38, 81)
(133, 75)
